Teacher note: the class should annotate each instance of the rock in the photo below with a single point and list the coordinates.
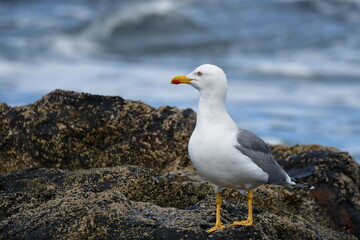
(132, 202)
(81, 166)
(336, 176)
(70, 130)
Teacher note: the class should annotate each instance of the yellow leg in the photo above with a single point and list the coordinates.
(249, 219)
(218, 223)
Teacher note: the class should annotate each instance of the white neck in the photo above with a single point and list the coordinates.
(212, 107)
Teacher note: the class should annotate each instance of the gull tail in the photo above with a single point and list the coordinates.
(301, 184)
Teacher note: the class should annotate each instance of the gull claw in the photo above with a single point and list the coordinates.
(216, 227)
(247, 222)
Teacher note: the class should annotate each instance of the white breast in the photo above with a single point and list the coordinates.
(213, 153)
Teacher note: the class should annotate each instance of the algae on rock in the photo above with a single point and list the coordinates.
(81, 166)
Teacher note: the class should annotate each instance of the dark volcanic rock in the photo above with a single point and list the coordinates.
(132, 202)
(159, 195)
(336, 176)
(72, 130)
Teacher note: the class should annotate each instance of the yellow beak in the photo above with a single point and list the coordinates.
(180, 79)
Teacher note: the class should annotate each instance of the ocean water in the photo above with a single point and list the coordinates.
(293, 65)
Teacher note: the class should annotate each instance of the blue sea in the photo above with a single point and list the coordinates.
(293, 65)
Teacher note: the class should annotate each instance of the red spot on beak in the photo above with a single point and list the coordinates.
(175, 82)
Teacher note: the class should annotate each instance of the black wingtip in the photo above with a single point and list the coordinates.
(302, 184)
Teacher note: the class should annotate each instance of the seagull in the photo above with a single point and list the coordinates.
(223, 153)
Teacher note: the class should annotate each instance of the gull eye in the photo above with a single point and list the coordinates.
(199, 74)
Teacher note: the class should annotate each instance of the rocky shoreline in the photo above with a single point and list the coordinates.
(81, 166)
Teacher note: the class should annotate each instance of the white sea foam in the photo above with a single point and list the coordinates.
(272, 140)
(134, 13)
(302, 65)
(99, 77)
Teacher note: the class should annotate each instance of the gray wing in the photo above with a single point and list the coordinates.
(256, 149)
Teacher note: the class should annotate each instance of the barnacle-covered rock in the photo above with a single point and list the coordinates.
(70, 130)
(81, 166)
(132, 202)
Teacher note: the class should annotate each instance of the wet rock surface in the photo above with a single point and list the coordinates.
(80, 166)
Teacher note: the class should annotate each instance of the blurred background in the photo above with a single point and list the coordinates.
(293, 65)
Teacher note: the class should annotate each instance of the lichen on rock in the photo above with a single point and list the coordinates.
(81, 166)
(70, 130)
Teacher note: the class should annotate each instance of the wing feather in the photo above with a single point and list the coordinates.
(256, 149)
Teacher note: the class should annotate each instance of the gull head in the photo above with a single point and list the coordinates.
(205, 78)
